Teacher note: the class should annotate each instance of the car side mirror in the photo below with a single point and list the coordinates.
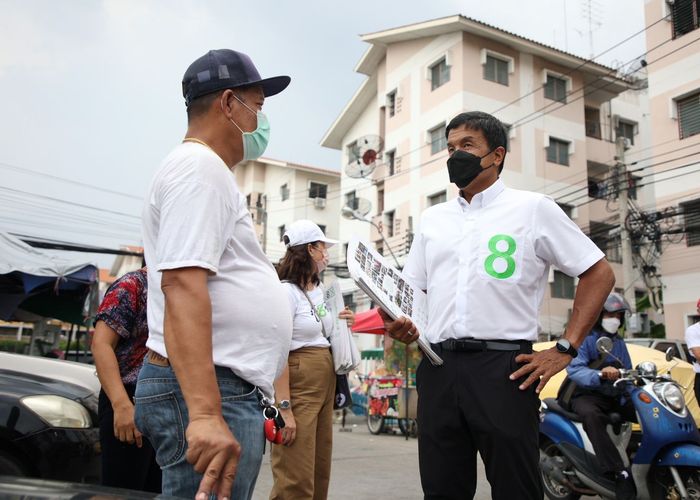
(604, 345)
(669, 354)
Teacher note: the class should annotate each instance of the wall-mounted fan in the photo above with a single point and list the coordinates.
(364, 156)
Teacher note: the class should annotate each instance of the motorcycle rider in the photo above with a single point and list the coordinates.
(595, 397)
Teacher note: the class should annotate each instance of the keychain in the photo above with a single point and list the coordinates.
(273, 424)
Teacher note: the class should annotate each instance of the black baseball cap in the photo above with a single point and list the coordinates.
(226, 69)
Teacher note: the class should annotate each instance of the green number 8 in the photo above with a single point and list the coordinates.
(506, 255)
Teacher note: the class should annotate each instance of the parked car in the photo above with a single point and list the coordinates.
(67, 371)
(14, 488)
(680, 348)
(48, 426)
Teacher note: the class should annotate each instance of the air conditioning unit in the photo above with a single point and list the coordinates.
(320, 202)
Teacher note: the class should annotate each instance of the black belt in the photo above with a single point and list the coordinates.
(485, 345)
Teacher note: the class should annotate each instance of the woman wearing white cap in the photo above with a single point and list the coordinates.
(301, 466)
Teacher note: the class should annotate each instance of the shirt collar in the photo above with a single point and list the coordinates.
(484, 198)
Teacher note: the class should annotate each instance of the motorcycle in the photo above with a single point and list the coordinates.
(664, 458)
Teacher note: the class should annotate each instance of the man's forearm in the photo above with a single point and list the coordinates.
(594, 286)
(188, 340)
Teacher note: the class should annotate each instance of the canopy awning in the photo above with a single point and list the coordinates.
(35, 284)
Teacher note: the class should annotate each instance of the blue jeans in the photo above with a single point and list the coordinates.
(161, 415)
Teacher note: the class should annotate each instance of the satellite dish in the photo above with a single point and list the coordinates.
(358, 208)
(366, 151)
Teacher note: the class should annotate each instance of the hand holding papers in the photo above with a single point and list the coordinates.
(389, 289)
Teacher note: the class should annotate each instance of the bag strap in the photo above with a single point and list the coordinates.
(313, 309)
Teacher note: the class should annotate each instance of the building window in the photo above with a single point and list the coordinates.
(558, 152)
(607, 238)
(592, 117)
(322, 227)
(562, 286)
(438, 141)
(626, 129)
(555, 88)
(689, 115)
(282, 229)
(284, 192)
(390, 160)
(317, 190)
(685, 15)
(380, 200)
(439, 74)
(567, 209)
(597, 188)
(496, 70)
(436, 198)
(353, 152)
(391, 103)
(691, 221)
(351, 200)
(389, 219)
(633, 183)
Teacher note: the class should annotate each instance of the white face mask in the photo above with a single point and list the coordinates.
(323, 263)
(610, 325)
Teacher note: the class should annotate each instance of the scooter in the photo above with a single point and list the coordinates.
(664, 459)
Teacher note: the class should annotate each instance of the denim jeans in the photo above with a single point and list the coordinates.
(161, 415)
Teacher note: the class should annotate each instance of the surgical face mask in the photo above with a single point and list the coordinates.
(611, 325)
(255, 142)
(323, 263)
(464, 167)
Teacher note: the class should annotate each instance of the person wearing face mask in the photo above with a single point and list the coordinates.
(301, 465)
(218, 317)
(483, 258)
(595, 397)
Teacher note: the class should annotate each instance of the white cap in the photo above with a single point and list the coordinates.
(305, 231)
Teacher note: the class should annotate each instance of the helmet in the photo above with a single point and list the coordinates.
(615, 303)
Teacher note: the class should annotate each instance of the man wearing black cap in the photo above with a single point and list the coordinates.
(213, 350)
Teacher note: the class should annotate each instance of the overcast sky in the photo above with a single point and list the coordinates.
(90, 90)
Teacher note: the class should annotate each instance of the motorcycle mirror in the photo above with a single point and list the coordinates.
(604, 345)
(669, 354)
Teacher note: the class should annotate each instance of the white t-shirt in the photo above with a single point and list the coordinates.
(485, 264)
(307, 331)
(195, 216)
(692, 338)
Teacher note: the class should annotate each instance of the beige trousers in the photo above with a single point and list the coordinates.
(303, 470)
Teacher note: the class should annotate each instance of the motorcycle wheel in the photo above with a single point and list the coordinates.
(663, 486)
(552, 488)
(375, 423)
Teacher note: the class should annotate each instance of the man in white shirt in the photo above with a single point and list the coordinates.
(692, 338)
(218, 317)
(483, 259)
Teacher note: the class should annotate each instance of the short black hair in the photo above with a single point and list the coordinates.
(200, 106)
(493, 129)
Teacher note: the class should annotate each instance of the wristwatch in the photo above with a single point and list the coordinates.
(565, 347)
(285, 404)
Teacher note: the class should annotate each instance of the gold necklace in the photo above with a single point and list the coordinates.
(198, 141)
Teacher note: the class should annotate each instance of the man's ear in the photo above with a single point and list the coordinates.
(499, 155)
(226, 102)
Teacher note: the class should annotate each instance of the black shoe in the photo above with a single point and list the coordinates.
(624, 486)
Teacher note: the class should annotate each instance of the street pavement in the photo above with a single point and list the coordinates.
(366, 466)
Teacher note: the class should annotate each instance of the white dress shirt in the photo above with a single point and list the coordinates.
(485, 264)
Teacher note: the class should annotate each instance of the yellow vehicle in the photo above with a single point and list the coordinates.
(681, 372)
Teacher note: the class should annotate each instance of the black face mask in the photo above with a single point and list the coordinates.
(465, 167)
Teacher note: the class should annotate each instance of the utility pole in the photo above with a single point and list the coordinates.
(626, 241)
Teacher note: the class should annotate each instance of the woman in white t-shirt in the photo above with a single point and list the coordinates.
(301, 466)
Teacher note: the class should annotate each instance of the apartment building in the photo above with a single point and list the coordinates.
(673, 45)
(563, 114)
(280, 192)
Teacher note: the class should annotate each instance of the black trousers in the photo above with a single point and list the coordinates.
(469, 405)
(594, 410)
(125, 465)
